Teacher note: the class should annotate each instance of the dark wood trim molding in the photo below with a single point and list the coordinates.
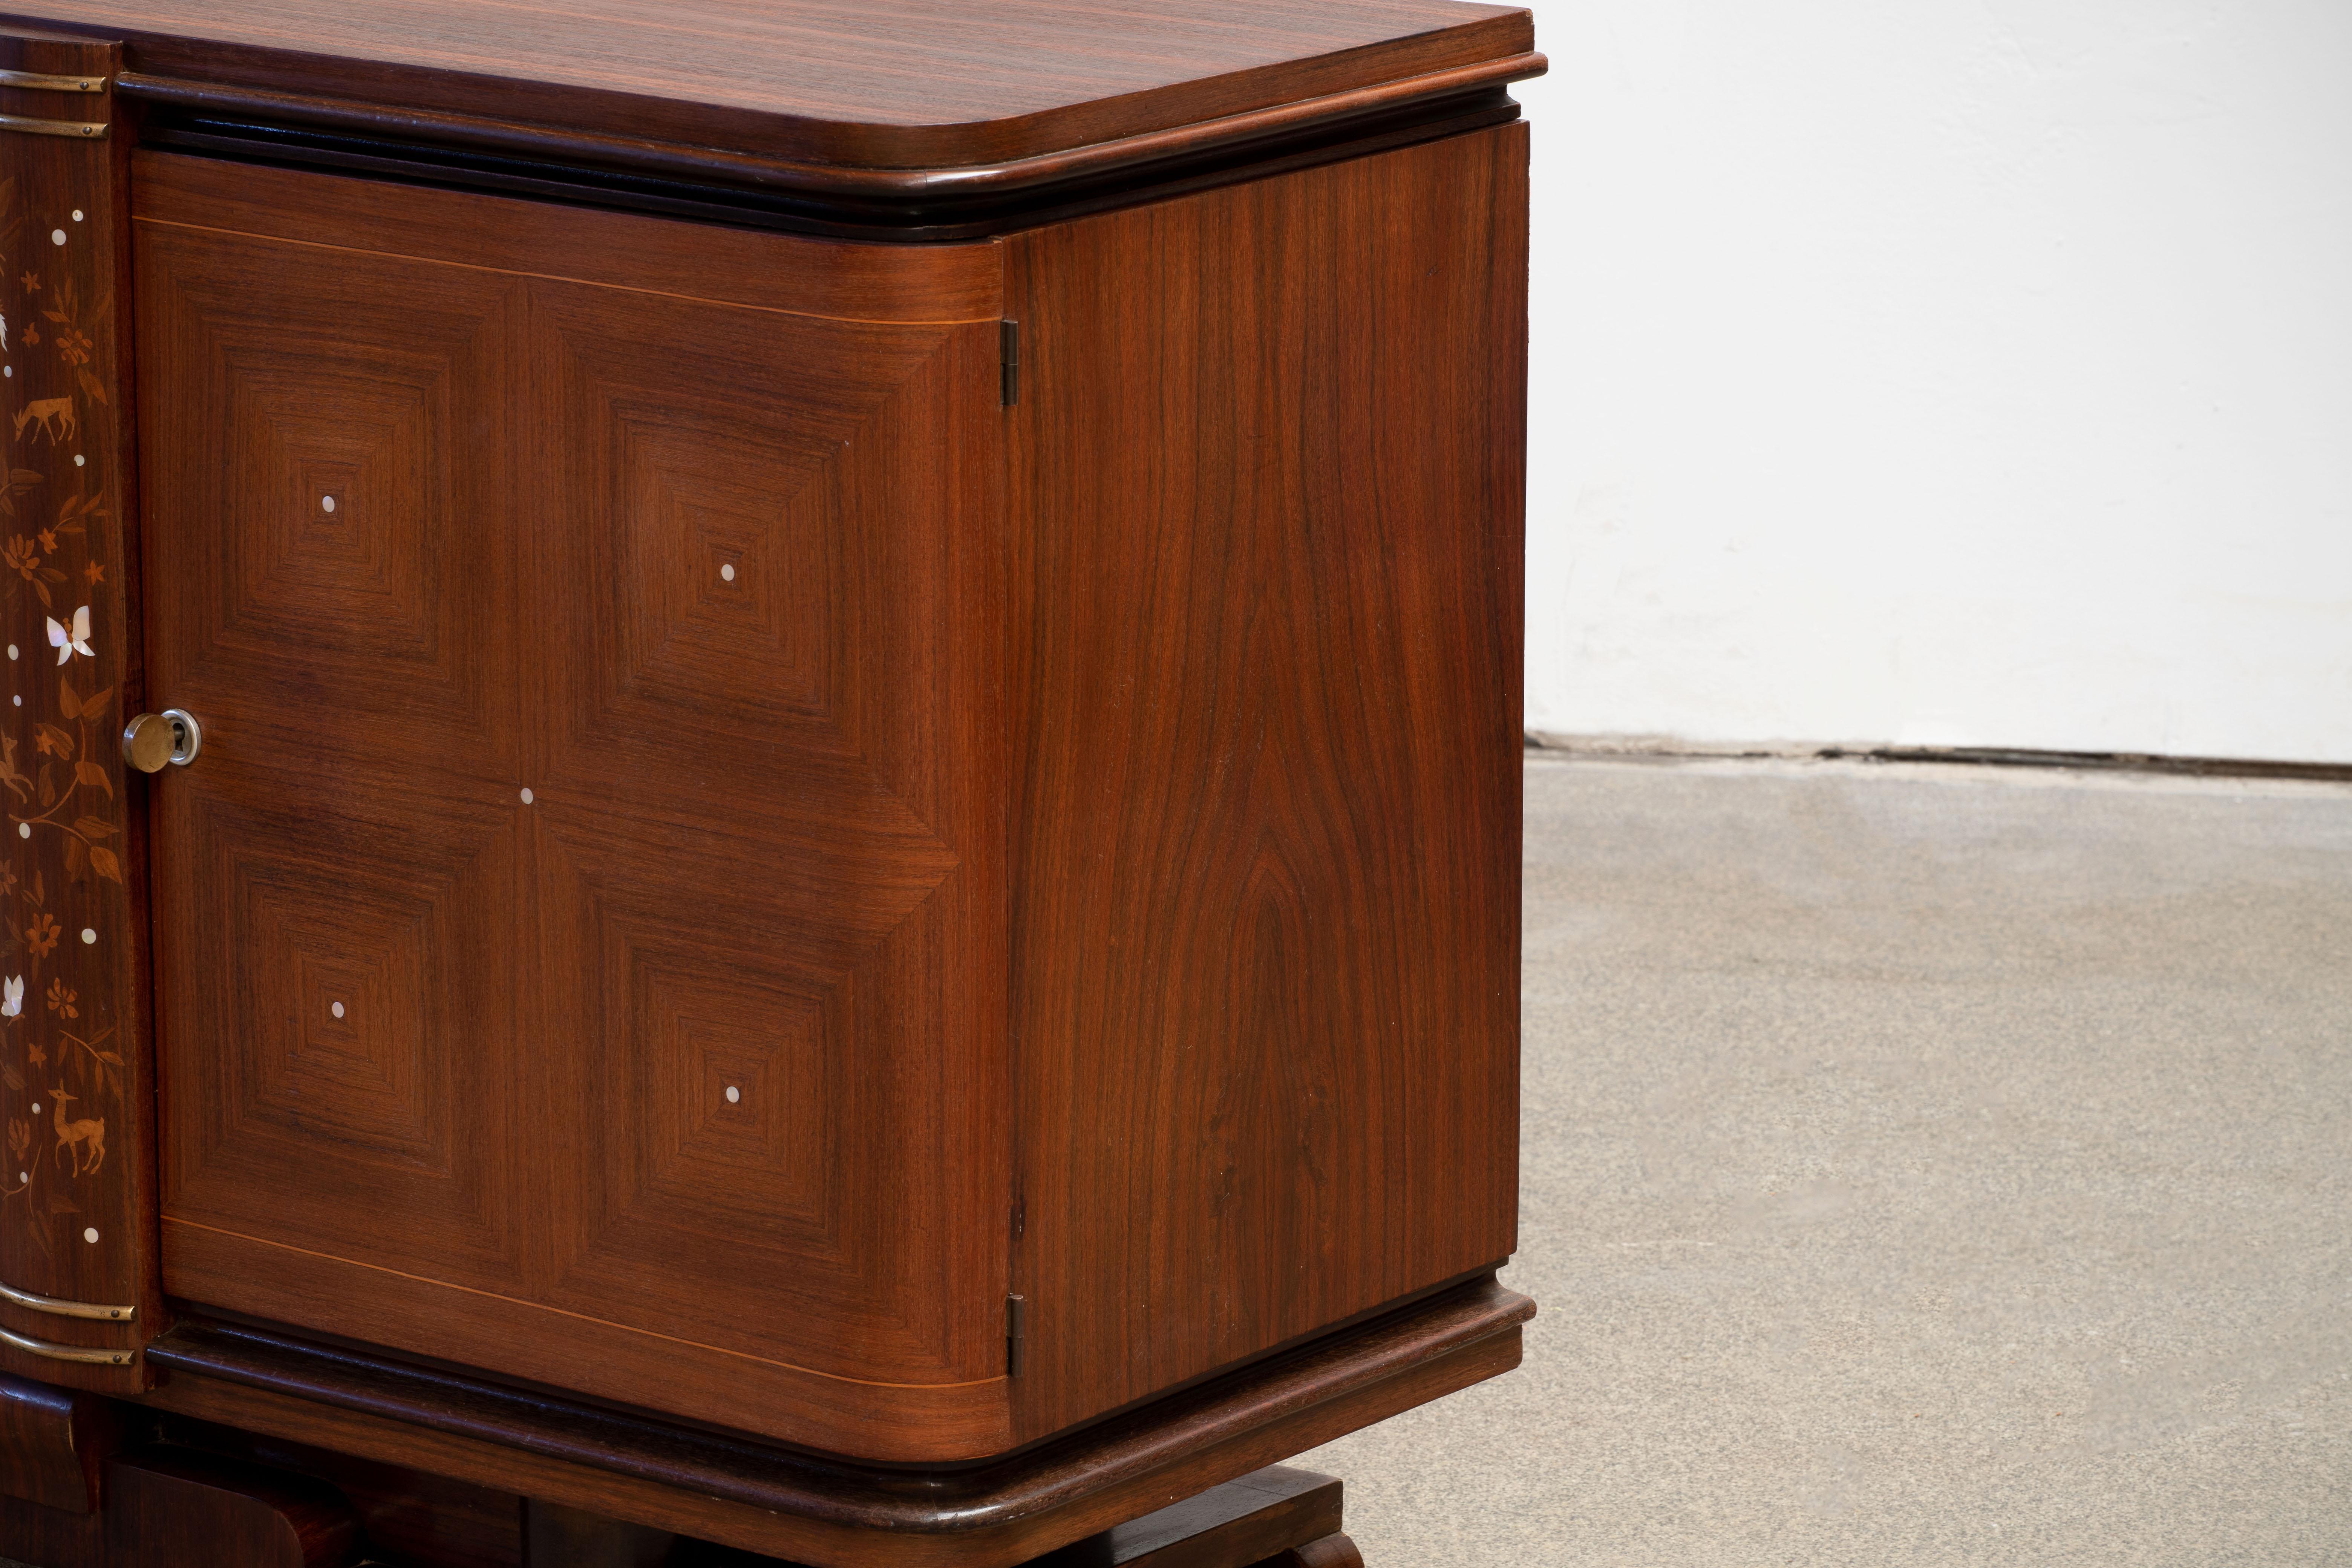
(721, 166)
(906, 204)
(764, 1498)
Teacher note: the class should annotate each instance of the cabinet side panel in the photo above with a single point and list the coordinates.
(1270, 447)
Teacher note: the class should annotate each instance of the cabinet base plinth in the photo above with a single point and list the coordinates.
(297, 1454)
(171, 1507)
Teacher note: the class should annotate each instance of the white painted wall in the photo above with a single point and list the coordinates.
(1944, 372)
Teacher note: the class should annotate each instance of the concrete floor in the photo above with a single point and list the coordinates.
(1923, 1166)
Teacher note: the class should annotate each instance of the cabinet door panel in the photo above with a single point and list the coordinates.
(583, 924)
(335, 882)
(759, 845)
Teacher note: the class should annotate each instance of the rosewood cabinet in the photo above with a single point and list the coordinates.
(764, 760)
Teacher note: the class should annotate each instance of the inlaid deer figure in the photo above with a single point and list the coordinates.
(72, 1135)
(52, 417)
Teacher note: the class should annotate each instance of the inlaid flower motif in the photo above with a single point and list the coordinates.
(12, 998)
(48, 541)
(62, 998)
(42, 934)
(20, 554)
(69, 643)
(32, 335)
(32, 281)
(93, 573)
(72, 345)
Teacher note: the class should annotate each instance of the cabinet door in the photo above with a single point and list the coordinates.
(578, 938)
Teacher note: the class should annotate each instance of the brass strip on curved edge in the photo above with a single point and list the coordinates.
(37, 82)
(65, 1309)
(67, 1352)
(79, 130)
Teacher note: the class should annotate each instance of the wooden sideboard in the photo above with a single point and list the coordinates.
(764, 761)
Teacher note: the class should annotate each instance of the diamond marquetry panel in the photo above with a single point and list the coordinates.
(347, 1048)
(751, 551)
(703, 514)
(329, 590)
(685, 1186)
(752, 1224)
(329, 420)
(729, 1074)
(685, 1020)
(731, 583)
(343, 1022)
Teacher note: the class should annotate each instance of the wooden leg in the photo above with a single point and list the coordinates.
(166, 1507)
(559, 1537)
(1268, 1517)
(174, 1509)
(1277, 1517)
(54, 1445)
(50, 1538)
(1332, 1551)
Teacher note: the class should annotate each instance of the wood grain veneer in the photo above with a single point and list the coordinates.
(894, 84)
(525, 238)
(1267, 844)
(525, 611)
(1250, 944)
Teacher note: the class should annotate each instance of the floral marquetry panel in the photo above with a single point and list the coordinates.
(75, 1218)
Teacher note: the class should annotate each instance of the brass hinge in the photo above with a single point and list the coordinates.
(1010, 338)
(1016, 1330)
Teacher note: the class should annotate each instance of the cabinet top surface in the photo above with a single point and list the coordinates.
(873, 83)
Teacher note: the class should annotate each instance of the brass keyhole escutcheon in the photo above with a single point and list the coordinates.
(152, 740)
